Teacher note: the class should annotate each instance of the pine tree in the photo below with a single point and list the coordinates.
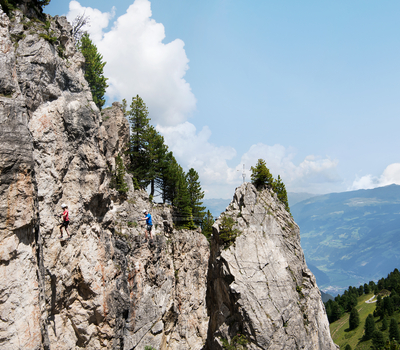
(354, 319)
(118, 178)
(196, 195)
(366, 288)
(206, 225)
(379, 310)
(377, 340)
(369, 327)
(394, 330)
(384, 324)
(388, 306)
(182, 201)
(261, 176)
(348, 347)
(157, 150)
(93, 69)
(337, 312)
(279, 188)
(166, 180)
(138, 148)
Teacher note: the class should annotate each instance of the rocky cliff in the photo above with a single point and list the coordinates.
(260, 286)
(106, 288)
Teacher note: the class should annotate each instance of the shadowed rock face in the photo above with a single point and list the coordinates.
(260, 286)
(106, 288)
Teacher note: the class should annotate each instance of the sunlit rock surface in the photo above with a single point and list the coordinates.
(260, 286)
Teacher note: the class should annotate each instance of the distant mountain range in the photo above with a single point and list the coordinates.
(352, 237)
(216, 205)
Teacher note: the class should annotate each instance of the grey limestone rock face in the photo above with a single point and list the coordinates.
(260, 286)
(115, 131)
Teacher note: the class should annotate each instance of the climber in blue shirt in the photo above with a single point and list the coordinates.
(149, 225)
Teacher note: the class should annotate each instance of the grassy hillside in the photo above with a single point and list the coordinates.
(384, 313)
(342, 336)
(340, 332)
(351, 237)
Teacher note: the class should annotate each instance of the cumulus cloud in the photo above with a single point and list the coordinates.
(139, 63)
(192, 149)
(314, 174)
(391, 175)
(218, 179)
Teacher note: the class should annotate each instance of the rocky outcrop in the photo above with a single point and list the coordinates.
(115, 134)
(106, 288)
(260, 287)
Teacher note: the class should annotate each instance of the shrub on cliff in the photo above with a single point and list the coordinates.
(227, 234)
(11, 5)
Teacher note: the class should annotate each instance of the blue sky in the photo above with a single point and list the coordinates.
(311, 87)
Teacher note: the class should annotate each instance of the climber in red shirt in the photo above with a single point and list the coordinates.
(65, 223)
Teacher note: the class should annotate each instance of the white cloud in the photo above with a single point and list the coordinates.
(193, 149)
(391, 175)
(314, 174)
(139, 63)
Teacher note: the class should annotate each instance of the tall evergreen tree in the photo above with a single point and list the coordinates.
(279, 188)
(384, 324)
(336, 312)
(196, 195)
(366, 288)
(354, 319)
(388, 306)
(206, 225)
(117, 179)
(166, 179)
(379, 309)
(93, 69)
(156, 152)
(182, 201)
(377, 340)
(394, 330)
(369, 327)
(261, 176)
(138, 148)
